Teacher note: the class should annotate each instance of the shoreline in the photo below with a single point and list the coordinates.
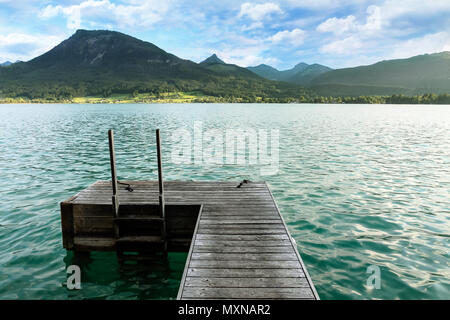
(218, 102)
(186, 98)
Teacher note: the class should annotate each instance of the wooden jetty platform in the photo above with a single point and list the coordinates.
(237, 241)
(239, 246)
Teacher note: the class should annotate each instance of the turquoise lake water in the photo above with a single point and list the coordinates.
(358, 186)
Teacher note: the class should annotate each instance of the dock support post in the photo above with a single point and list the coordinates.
(115, 197)
(162, 209)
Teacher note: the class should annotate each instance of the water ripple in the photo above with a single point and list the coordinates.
(357, 186)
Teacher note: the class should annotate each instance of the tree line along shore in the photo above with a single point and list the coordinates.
(181, 97)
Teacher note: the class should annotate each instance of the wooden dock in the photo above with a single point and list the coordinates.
(239, 246)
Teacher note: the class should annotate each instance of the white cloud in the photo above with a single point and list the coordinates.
(254, 25)
(393, 9)
(430, 43)
(133, 13)
(345, 46)
(21, 46)
(244, 56)
(323, 4)
(338, 26)
(374, 19)
(259, 11)
(350, 34)
(295, 37)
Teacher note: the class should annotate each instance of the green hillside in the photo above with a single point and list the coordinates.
(302, 73)
(416, 75)
(92, 63)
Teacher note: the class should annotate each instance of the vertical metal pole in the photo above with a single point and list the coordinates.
(162, 209)
(115, 197)
(112, 158)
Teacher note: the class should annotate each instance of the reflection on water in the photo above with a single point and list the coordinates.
(357, 186)
(104, 277)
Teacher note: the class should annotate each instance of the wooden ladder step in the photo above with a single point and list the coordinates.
(138, 219)
(140, 239)
(140, 244)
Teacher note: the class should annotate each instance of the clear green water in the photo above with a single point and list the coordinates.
(357, 186)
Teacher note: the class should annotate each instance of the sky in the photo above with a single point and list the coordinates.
(280, 33)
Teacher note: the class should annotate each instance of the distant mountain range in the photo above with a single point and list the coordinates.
(429, 73)
(7, 63)
(301, 74)
(106, 62)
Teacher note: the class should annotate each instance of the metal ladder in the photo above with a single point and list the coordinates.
(137, 243)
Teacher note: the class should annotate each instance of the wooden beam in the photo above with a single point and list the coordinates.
(67, 224)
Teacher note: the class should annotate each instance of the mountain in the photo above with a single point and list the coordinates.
(265, 71)
(102, 62)
(429, 73)
(297, 69)
(213, 59)
(307, 74)
(104, 55)
(7, 63)
(302, 73)
(215, 64)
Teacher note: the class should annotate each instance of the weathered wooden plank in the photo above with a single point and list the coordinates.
(245, 226)
(241, 217)
(187, 184)
(144, 200)
(236, 237)
(229, 264)
(105, 225)
(177, 195)
(239, 249)
(272, 243)
(188, 191)
(239, 282)
(94, 243)
(102, 210)
(245, 273)
(94, 225)
(174, 193)
(240, 214)
(93, 210)
(241, 231)
(242, 207)
(180, 201)
(247, 293)
(206, 221)
(244, 256)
